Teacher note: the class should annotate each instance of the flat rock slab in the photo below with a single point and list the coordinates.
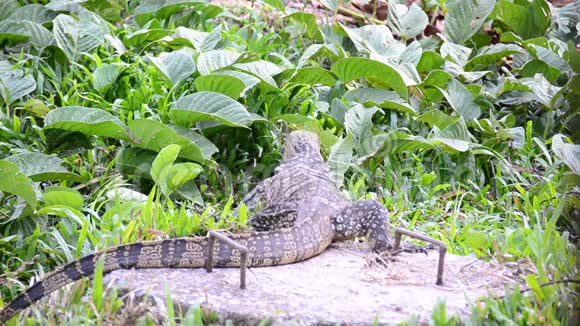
(344, 284)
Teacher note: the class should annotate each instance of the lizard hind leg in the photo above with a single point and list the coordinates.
(364, 218)
(275, 217)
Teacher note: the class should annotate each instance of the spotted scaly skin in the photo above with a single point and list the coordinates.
(303, 213)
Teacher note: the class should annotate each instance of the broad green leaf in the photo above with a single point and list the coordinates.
(314, 76)
(136, 161)
(57, 195)
(568, 153)
(217, 59)
(36, 107)
(379, 97)
(461, 100)
(220, 83)
(451, 144)
(7, 8)
(15, 182)
(162, 9)
(437, 118)
(309, 22)
(535, 66)
(549, 57)
(209, 106)
(164, 159)
(391, 143)
(465, 18)
(201, 41)
(249, 80)
(42, 167)
(429, 61)
(154, 135)
(175, 66)
(374, 38)
(358, 121)
(455, 52)
(152, 31)
(492, 54)
(14, 85)
(517, 136)
(261, 69)
(105, 76)
(178, 175)
(527, 18)
(88, 121)
(327, 51)
(278, 4)
(340, 158)
(377, 73)
(169, 176)
(36, 34)
(407, 21)
(75, 37)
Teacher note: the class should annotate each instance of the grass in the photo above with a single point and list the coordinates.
(475, 149)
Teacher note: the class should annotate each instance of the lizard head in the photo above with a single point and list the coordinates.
(301, 143)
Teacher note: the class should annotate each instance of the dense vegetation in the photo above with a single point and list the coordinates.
(132, 120)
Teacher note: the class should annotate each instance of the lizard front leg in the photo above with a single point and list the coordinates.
(364, 218)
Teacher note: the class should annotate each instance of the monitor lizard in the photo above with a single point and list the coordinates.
(304, 211)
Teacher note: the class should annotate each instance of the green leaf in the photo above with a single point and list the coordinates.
(568, 153)
(358, 121)
(104, 77)
(408, 22)
(391, 143)
(327, 51)
(37, 34)
(261, 69)
(437, 118)
(465, 18)
(377, 73)
(201, 41)
(379, 97)
(136, 161)
(340, 158)
(164, 159)
(175, 66)
(209, 106)
(277, 4)
(213, 60)
(34, 13)
(373, 39)
(168, 176)
(154, 135)
(492, 54)
(178, 175)
(88, 121)
(526, 18)
(64, 196)
(220, 83)
(429, 61)
(461, 100)
(152, 31)
(162, 9)
(14, 85)
(7, 8)
(314, 76)
(535, 66)
(14, 182)
(309, 22)
(75, 37)
(42, 167)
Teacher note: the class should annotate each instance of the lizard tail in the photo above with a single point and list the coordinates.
(267, 248)
(181, 252)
